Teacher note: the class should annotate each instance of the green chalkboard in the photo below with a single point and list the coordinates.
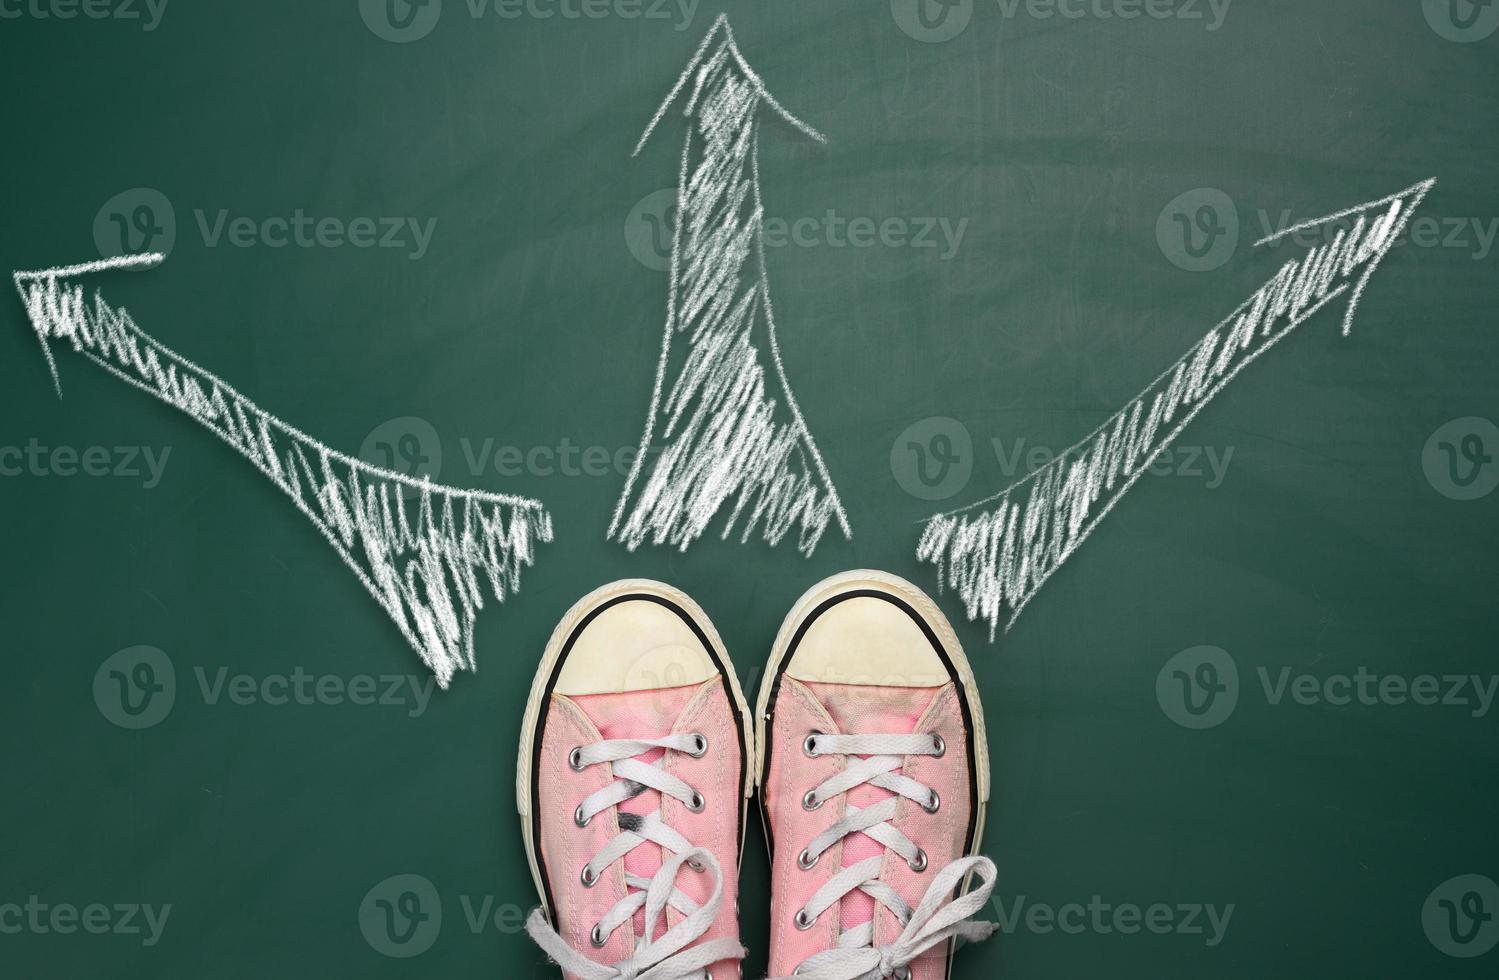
(1246, 730)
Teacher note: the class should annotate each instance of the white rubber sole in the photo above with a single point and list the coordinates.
(539, 691)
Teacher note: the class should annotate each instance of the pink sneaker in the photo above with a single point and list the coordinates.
(874, 775)
(635, 761)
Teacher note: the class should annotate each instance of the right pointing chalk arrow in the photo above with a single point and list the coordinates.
(998, 552)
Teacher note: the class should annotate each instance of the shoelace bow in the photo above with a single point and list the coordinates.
(667, 957)
(929, 924)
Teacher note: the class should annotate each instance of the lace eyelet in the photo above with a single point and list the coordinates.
(802, 920)
(939, 747)
(578, 818)
(589, 877)
(806, 861)
(918, 864)
(701, 741)
(597, 937)
(575, 759)
(810, 801)
(696, 804)
(934, 804)
(809, 744)
(902, 973)
(697, 866)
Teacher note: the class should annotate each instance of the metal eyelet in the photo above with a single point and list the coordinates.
(918, 863)
(696, 804)
(575, 759)
(802, 920)
(902, 973)
(701, 741)
(589, 877)
(809, 744)
(696, 865)
(806, 861)
(939, 747)
(597, 936)
(810, 801)
(578, 818)
(934, 804)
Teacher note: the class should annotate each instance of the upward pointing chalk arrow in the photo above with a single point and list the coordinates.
(998, 552)
(724, 430)
(429, 569)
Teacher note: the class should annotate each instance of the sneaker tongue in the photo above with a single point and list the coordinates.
(867, 709)
(642, 715)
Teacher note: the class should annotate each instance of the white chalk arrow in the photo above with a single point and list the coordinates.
(998, 552)
(428, 563)
(724, 430)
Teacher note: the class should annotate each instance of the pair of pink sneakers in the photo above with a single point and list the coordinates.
(638, 757)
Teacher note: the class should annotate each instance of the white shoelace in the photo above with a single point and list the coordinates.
(931, 922)
(667, 956)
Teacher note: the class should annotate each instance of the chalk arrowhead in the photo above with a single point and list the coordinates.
(718, 45)
(52, 310)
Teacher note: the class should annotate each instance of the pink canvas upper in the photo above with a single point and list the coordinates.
(802, 708)
(565, 847)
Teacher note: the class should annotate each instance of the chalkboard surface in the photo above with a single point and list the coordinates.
(1247, 731)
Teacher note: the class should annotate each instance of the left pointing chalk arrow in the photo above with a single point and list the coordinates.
(428, 562)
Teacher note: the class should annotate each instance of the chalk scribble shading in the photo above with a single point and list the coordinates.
(724, 430)
(427, 562)
(998, 552)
